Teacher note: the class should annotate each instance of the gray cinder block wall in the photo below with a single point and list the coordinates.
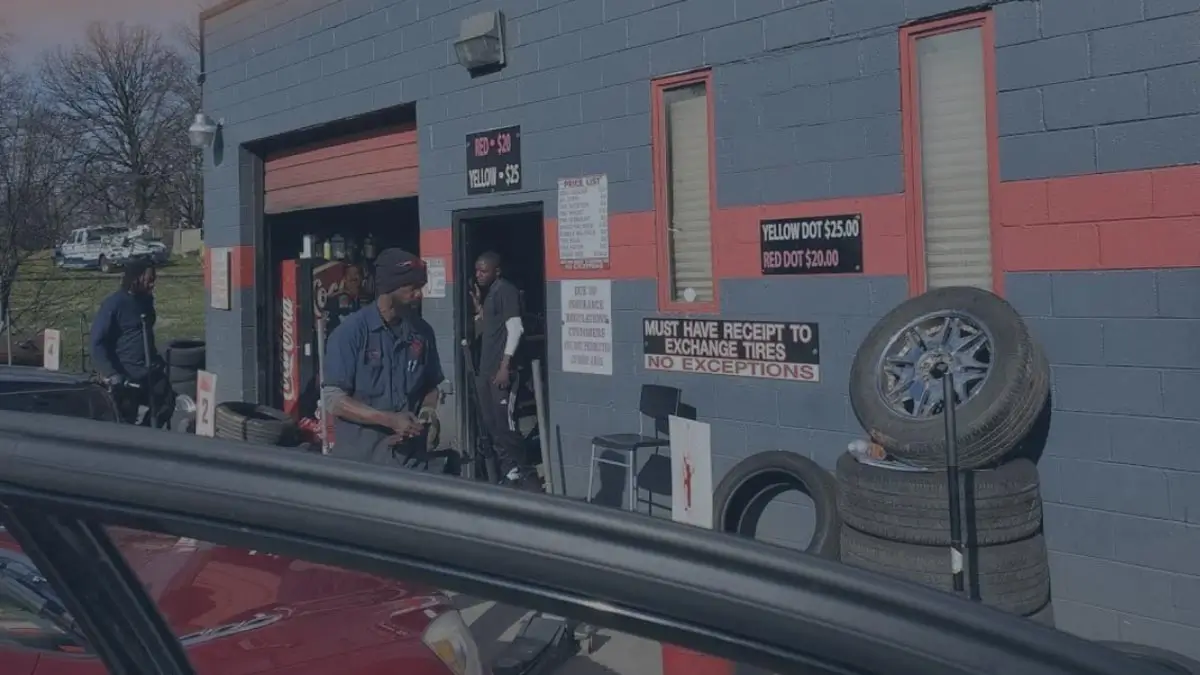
(807, 107)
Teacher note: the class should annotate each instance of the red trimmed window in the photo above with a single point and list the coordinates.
(952, 174)
(684, 194)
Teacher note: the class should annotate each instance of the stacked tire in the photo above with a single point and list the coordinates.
(255, 424)
(895, 513)
(185, 358)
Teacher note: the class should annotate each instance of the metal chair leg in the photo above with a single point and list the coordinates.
(591, 473)
(632, 482)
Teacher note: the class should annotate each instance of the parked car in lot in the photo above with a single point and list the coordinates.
(218, 600)
(28, 389)
(107, 247)
(81, 500)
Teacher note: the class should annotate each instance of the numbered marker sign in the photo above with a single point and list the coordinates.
(51, 349)
(206, 394)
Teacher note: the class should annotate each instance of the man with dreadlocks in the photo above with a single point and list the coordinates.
(120, 331)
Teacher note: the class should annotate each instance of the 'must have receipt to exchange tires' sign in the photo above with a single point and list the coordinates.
(766, 349)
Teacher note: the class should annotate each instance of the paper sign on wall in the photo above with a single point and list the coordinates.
(435, 287)
(691, 472)
(587, 343)
(219, 295)
(51, 349)
(206, 403)
(583, 222)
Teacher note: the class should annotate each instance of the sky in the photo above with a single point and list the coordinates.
(42, 24)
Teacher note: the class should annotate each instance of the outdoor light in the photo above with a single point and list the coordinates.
(480, 41)
(203, 131)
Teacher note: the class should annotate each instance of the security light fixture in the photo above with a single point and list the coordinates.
(480, 44)
(203, 131)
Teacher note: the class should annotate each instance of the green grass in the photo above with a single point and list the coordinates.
(45, 296)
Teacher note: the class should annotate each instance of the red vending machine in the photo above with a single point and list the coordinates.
(312, 288)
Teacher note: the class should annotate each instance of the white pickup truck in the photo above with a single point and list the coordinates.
(107, 247)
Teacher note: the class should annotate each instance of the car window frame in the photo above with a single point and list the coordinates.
(779, 609)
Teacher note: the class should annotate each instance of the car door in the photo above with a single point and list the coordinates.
(673, 599)
(28, 629)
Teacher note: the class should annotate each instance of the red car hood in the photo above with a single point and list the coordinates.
(240, 612)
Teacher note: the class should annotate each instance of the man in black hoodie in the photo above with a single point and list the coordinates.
(123, 324)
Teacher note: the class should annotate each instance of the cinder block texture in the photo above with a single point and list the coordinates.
(1121, 468)
(1097, 86)
(747, 415)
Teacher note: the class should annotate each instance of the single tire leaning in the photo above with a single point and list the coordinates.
(1044, 616)
(743, 495)
(1172, 661)
(1011, 577)
(254, 423)
(1000, 505)
(992, 421)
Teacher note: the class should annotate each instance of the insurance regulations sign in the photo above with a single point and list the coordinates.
(763, 349)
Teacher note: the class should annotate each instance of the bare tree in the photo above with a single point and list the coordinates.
(124, 92)
(37, 156)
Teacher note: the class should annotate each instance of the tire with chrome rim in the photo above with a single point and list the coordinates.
(1001, 378)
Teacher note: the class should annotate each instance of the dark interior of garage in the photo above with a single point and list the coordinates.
(364, 230)
(517, 236)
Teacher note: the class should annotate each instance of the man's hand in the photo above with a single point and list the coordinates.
(501, 378)
(114, 380)
(405, 424)
(475, 298)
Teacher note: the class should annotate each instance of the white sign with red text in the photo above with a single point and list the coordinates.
(51, 349)
(206, 403)
(691, 472)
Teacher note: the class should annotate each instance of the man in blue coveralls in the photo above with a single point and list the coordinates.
(123, 326)
(382, 371)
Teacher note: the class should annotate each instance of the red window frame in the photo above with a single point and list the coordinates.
(662, 221)
(911, 125)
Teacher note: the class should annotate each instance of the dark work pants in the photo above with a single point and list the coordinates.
(133, 398)
(496, 413)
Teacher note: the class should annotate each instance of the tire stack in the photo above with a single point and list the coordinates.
(184, 359)
(895, 513)
(255, 424)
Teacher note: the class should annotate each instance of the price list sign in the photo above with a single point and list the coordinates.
(494, 161)
(824, 245)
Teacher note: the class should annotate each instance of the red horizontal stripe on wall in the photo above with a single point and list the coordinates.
(630, 244)
(439, 244)
(1127, 220)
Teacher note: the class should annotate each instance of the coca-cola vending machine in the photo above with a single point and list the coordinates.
(311, 288)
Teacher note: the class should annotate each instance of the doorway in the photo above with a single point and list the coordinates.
(387, 223)
(517, 234)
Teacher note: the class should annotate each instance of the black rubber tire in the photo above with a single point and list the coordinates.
(744, 493)
(999, 505)
(1044, 616)
(186, 354)
(177, 375)
(1176, 663)
(185, 388)
(1012, 577)
(993, 421)
(254, 423)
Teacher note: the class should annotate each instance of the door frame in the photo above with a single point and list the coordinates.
(462, 267)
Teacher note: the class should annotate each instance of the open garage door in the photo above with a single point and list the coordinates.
(371, 166)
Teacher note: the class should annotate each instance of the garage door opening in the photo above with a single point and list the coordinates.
(517, 234)
(322, 260)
